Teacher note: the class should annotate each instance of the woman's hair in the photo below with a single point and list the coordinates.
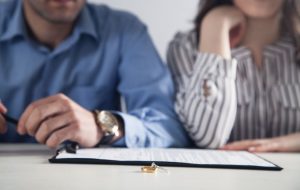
(290, 21)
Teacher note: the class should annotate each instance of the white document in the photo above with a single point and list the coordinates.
(186, 156)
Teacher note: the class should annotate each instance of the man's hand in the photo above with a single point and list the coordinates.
(56, 119)
(221, 29)
(2, 120)
(289, 143)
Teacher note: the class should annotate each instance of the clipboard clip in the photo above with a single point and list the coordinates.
(69, 147)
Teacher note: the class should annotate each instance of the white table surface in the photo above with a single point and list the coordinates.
(25, 167)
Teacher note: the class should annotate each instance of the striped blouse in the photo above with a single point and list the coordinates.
(221, 100)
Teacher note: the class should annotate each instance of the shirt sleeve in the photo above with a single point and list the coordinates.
(206, 92)
(147, 88)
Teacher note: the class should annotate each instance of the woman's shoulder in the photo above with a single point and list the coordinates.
(187, 38)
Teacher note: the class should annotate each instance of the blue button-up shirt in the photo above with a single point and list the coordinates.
(108, 55)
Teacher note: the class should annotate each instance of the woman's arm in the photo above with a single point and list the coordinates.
(222, 29)
(205, 82)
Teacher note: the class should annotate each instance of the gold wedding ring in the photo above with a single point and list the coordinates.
(150, 169)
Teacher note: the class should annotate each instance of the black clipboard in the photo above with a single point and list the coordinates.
(71, 150)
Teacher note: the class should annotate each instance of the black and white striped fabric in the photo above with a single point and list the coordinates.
(245, 102)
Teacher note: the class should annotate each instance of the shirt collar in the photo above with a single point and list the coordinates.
(16, 27)
(284, 46)
(85, 24)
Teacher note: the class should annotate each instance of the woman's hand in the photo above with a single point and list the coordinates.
(2, 120)
(222, 29)
(289, 143)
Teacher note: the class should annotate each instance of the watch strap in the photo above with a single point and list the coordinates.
(105, 140)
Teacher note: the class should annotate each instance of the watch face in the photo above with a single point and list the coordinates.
(108, 122)
(106, 119)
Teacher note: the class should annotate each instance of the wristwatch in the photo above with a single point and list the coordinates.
(109, 125)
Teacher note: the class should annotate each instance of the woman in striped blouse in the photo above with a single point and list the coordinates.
(238, 75)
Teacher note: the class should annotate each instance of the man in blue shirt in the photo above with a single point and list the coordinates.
(63, 60)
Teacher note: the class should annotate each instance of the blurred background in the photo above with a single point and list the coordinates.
(163, 17)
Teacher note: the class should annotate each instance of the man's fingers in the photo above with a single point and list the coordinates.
(52, 124)
(2, 108)
(35, 114)
(61, 135)
(24, 117)
(2, 125)
(40, 114)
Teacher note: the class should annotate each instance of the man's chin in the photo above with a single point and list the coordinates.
(61, 20)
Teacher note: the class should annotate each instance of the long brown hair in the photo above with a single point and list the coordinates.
(290, 21)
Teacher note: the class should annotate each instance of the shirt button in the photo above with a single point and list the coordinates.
(206, 89)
